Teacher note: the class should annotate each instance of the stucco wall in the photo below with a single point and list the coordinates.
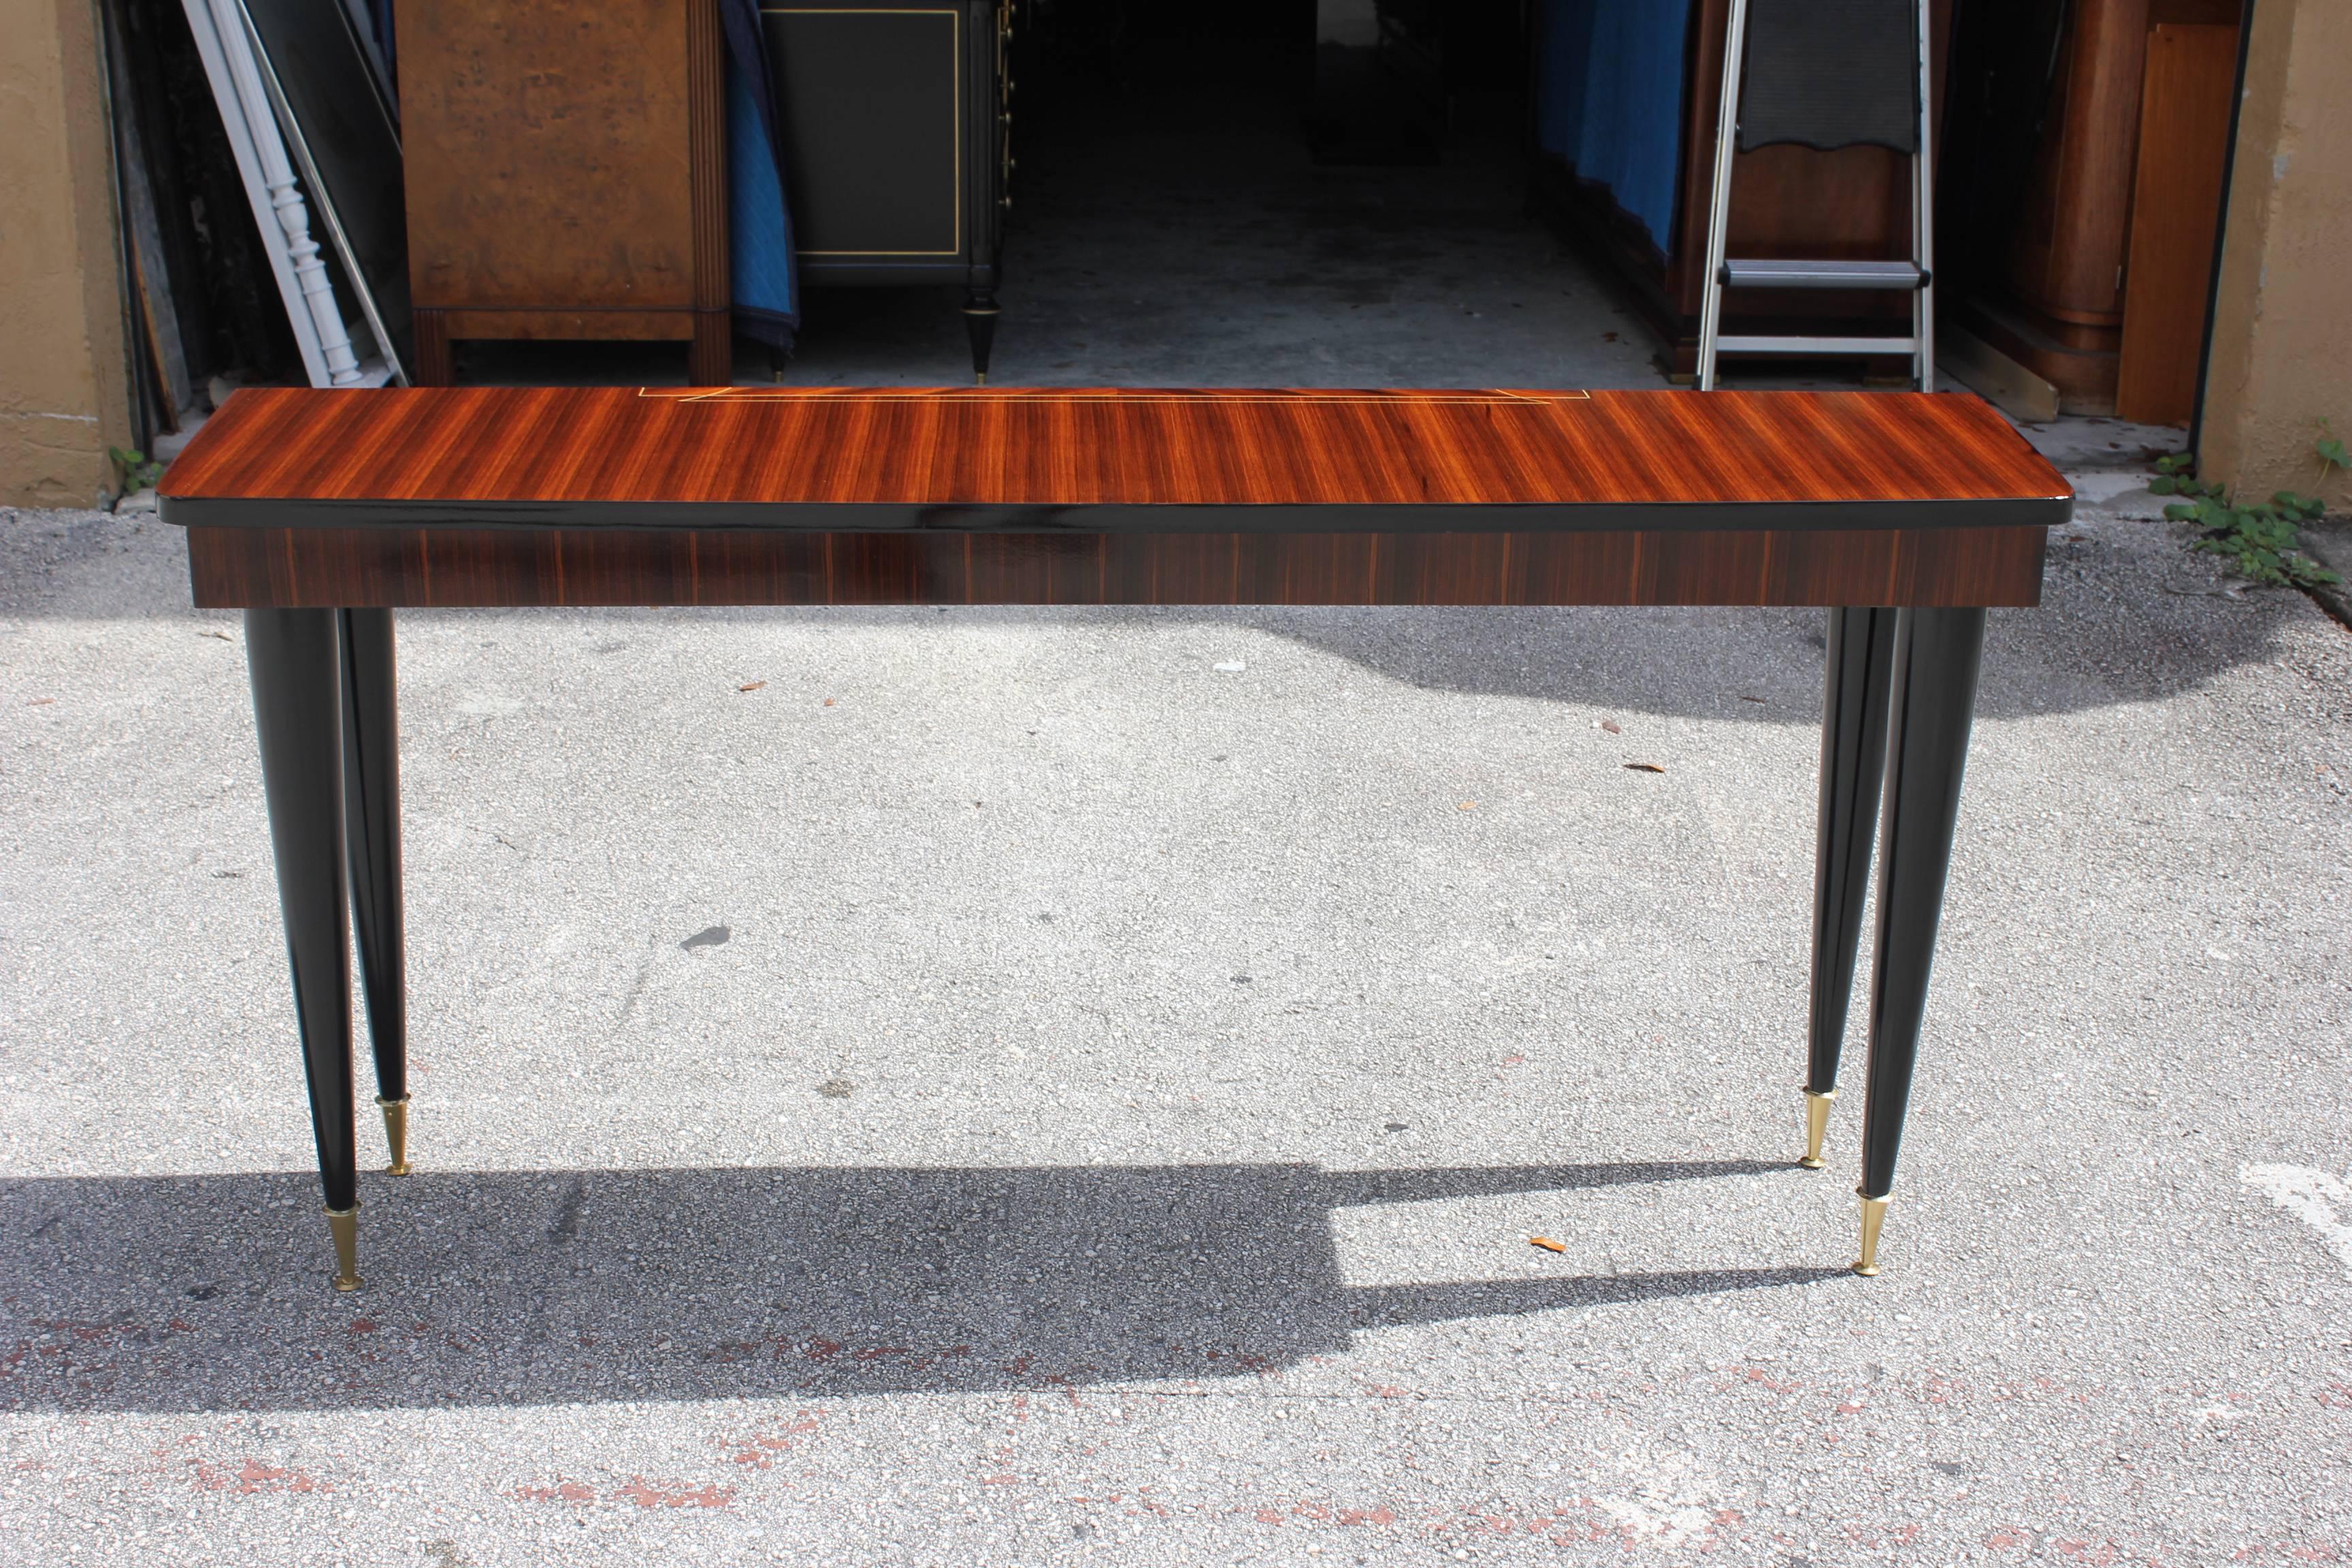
(62, 381)
(2282, 355)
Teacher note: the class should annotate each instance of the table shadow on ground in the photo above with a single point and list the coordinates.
(530, 1287)
(2114, 629)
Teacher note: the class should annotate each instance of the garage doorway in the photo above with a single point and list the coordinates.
(1189, 209)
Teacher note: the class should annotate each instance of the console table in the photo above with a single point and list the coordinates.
(319, 512)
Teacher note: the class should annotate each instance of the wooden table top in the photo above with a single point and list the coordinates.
(1108, 460)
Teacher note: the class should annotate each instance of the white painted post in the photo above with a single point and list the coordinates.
(277, 196)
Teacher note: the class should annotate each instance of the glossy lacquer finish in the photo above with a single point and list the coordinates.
(371, 836)
(294, 658)
(613, 496)
(1015, 461)
(1937, 653)
(450, 567)
(1859, 672)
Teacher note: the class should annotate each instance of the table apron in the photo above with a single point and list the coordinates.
(381, 566)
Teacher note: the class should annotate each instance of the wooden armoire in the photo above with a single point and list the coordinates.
(566, 175)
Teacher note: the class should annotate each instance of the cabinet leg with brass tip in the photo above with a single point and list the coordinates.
(345, 1226)
(1817, 1126)
(395, 1132)
(979, 325)
(1873, 1217)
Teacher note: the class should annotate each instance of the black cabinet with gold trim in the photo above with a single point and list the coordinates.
(895, 116)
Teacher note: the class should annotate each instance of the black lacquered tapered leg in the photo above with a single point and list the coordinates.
(1860, 669)
(1936, 654)
(980, 325)
(372, 824)
(295, 660)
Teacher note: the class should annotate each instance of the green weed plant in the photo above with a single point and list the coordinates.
(2261, 542)
(139, 470)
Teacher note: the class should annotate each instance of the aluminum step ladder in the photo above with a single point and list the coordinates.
(1824, 74)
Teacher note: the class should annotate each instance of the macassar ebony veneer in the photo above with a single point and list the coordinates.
(450, 567)
(1086, 460)
(319, 512)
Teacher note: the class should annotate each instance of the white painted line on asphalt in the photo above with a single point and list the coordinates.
(2321, 1201)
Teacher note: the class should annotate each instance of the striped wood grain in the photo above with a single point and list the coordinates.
(234, 567)
(438, 448)
(609, 496)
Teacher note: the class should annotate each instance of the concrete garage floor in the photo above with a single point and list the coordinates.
(1184, 238)
(1191, 241)
(1005, 1087)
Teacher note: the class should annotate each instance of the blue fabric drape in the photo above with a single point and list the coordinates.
(1609, 99)
(760, 224)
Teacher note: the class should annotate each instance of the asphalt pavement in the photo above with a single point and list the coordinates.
(1001, 1087)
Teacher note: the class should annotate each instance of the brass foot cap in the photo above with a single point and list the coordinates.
(1873, 1217)
(344, 1225)
(1817, 1126)
(395, 1132)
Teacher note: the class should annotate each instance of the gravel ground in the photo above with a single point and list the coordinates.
(1121, 1061)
